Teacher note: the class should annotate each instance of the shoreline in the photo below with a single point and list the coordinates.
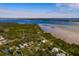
(61, 33)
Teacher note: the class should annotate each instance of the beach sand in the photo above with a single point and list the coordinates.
(70, 36)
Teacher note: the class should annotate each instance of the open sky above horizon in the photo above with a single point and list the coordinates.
(39, 10)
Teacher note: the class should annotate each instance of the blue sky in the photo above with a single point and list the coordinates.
(39, 10)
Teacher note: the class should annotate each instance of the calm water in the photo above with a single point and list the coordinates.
(40, 22)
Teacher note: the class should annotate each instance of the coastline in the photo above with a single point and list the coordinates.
(62, 33)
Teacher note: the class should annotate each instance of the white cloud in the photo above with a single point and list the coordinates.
(28, 14)
(73, 5)
(70, 5)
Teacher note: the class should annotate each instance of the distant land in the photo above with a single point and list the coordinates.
(54, 19)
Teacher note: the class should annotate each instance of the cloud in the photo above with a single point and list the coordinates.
(14, 13)
(7, 13)
(68, 7)
(72, 5)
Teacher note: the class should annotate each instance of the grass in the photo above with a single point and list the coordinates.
(38, 42)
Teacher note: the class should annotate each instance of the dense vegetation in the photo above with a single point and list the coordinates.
(30, 40)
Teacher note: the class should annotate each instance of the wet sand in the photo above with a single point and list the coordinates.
(70, 36)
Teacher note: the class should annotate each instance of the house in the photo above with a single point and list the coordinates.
(1, 38)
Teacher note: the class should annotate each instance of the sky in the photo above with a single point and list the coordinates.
(39, 10)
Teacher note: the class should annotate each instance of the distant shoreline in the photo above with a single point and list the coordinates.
(54, 19)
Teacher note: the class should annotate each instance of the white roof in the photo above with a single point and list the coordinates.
(55, 49)
(60, 54)
(1, 38)
(21, 46)
(44, 41)
(25, 44)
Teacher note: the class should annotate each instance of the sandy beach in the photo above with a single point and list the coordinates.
(66, 33)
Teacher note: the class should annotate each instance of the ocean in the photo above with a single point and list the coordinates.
(39, 21)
